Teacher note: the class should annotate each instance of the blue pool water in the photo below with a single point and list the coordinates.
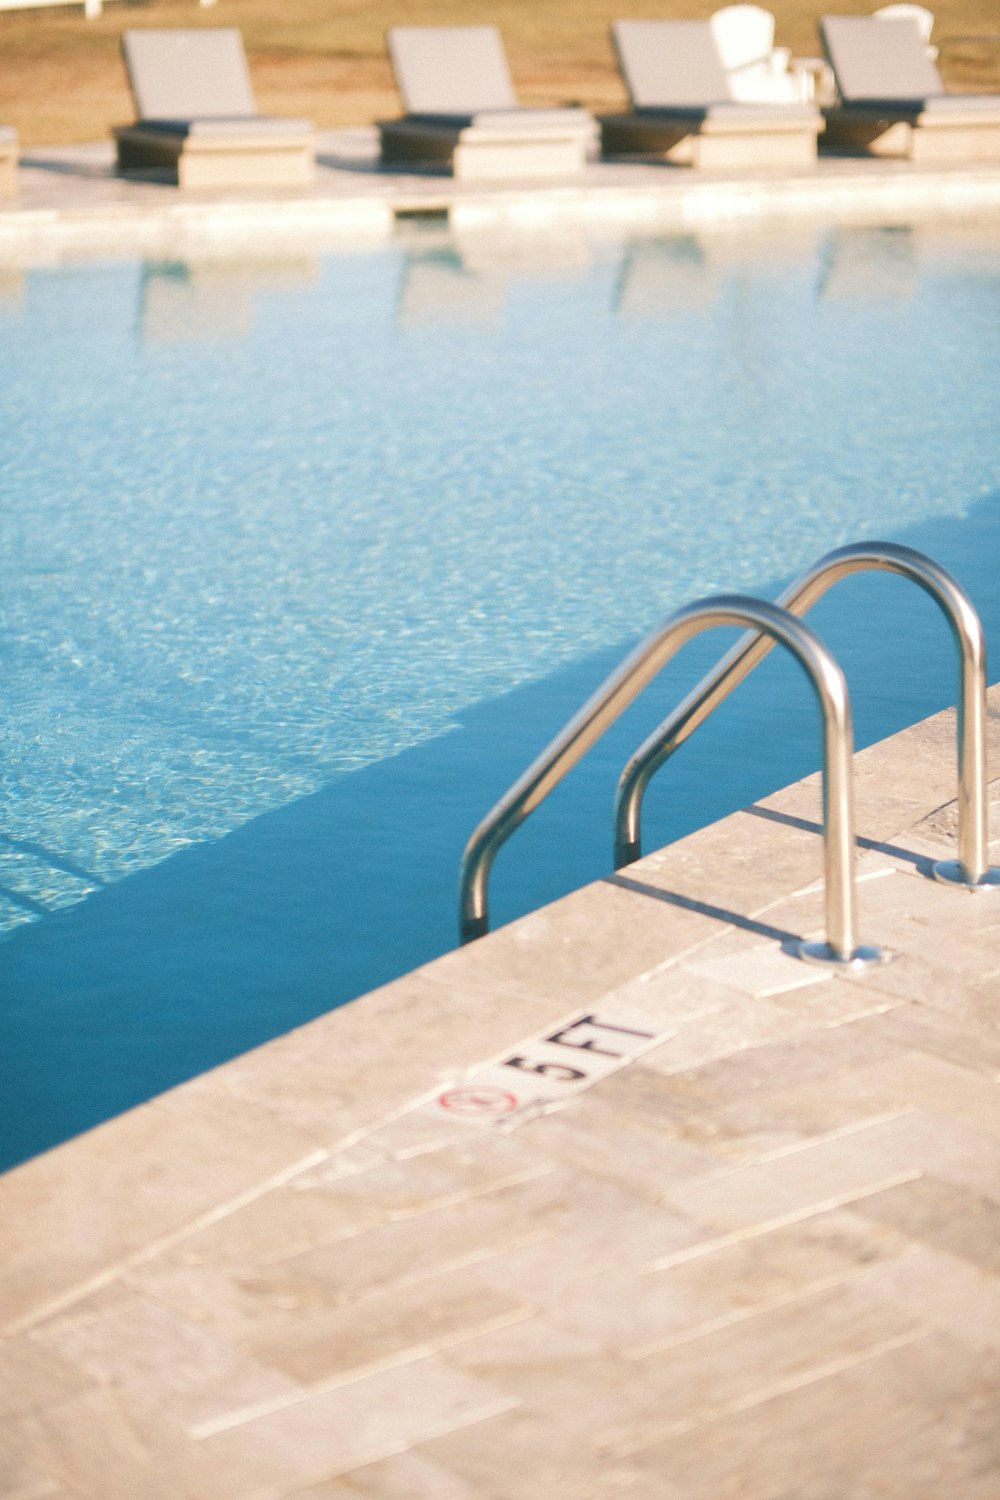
(304, 559)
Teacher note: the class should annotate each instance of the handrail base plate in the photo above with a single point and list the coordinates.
(861, 959)
(952, 872)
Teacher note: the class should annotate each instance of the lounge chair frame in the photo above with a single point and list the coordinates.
(712, 131)
(230, 161)
(462, 113)
(202, 129)
(918, 121)
(481, 152)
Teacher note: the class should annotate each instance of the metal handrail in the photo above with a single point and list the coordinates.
(972, 869)
(618, 691)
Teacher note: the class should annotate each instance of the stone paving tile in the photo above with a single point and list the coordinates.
(635, 1308)
(584, 1307)
(605, 1219)
(324, 1205)
(112, 1448)
(571, 1379)
(106, 1204)
(791, 1437)
(388, 1328)
(600, 1140)
(100, 1449)
(821, 1053)
(149, 1350)
(760, 972)
(925, 1031)
(757, 1124)
(618, 1408)
(593, 942)
(520, 1456)
(690, 1381)
(729, 1279)
(881, 810)
(767, 1122)
(959, 1298)
(407, 1477)
(845, 1168)
(957, 1456)
(669, 996)
(31, 1375)
(254, 1304)
(20, 1479)
(972, 1003)
(738, 1026)
(932, 981)
(913, 1080)
(910, 922)
(944, 1216)
(744, 874)
(335, 1432)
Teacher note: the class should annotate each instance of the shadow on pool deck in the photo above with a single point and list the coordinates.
(227, 944)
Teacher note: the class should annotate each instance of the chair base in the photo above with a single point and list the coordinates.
(484, 154)
(917, 137)
(217, 162)
(702, 142)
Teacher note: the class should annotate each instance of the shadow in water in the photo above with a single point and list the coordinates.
(225, 945)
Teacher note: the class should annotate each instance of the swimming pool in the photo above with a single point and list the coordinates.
(304, 558)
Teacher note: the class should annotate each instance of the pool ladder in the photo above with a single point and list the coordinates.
(770, 624)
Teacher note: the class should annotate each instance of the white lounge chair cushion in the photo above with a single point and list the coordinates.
(884, 63)
(961, 104)
(454, 71)
(878, 60)
(670, 64)
(188, 74)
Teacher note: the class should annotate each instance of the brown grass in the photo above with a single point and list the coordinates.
(61, 77)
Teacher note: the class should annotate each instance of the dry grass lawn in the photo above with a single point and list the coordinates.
(61, 77)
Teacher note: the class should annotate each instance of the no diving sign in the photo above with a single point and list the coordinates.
(547, 1070)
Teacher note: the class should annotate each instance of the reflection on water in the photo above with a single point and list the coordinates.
(214, 298)
(317, 510)
(437, 290)
(461, 277)
(871, 263)
(666, 275)
(12, 280)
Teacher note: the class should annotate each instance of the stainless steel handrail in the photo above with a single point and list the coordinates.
(972, 869)
(618, 691)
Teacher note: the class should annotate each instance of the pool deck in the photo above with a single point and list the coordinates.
(70, 202)
(757, 1259)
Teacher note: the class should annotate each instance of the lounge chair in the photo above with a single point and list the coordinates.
(8, 160)
(683, 109)
(197, 121)
(461, 110)
(892, 100)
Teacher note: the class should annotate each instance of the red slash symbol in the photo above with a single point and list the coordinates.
(478, 1101)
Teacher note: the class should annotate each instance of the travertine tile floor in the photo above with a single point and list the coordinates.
(761, 1261)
